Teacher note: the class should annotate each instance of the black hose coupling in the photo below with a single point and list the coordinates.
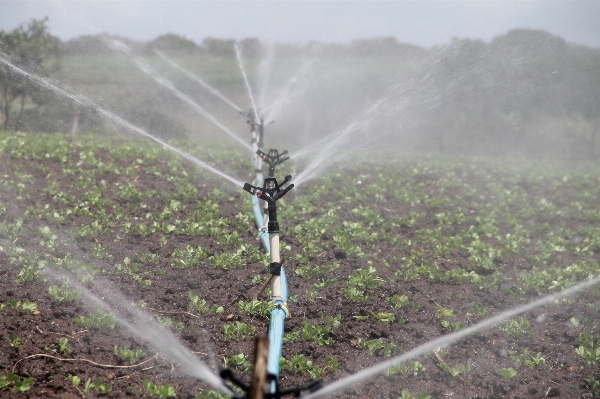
(275, 268)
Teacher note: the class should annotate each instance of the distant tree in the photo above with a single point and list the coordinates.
(32, 46)
(219, 47)
(173, 43)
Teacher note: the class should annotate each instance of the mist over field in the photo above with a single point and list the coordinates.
(525, 92)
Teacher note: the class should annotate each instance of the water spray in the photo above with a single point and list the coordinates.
(198, 80)
(109, 116)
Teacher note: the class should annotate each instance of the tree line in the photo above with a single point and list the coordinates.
(526, 89)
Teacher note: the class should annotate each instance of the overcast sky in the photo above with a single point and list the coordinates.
(423, 23)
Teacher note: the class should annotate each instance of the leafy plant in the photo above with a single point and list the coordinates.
(311, 333)
(442, 312)
(237, 330)
(238, 361)
(419, 395)
(129, 354)
(526, 359)
(63, 295)
(378, 346)
(96, 320)
(300, 364)
(162, 391)
(413, 367)
(508, 372)
(19, 384)
(63, 347)
(515, 327)
(256, 308)
(355, 295)
(456, 370)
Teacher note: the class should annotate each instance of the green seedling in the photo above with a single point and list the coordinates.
(413, 367)
(589, 349)
(63, 295)
(311, 333)
(355, 295)
(300, 364)
(162, 391)
(63, 347)
(14, 341)
(451, 326)
(366, 279)
(594, 385)
(164, 321)
(96, 320)
(197, 303)
(456, 370)
(419, 395)
(334, 321)
(237, 331)
(377, 346)
(19, 384)
(238, 361)
(31, 306)
(478, 311)
(508, 372)
(129, 354)
(516, 327)
(256, 308)
(211, 394)
(398, 302)
(442, 312)
(526, 359)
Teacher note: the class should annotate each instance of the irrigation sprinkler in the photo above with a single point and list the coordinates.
(273, 158)
(271, 192)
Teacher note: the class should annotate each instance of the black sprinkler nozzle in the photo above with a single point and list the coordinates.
(273, 158)
(271, 192)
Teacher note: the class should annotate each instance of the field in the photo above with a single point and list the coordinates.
(381, 257)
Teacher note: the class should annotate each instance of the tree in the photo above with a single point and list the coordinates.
(33, 47)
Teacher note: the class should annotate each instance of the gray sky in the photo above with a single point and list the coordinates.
(419, 22)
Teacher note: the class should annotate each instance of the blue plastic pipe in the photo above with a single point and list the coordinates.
(258, 217)
(278, 315)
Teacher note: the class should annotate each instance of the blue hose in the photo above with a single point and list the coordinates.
(278, 315)
(258, 217)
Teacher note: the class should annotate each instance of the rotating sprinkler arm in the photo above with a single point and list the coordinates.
(273, 158)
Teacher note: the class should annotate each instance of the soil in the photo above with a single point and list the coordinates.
(551, 333)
